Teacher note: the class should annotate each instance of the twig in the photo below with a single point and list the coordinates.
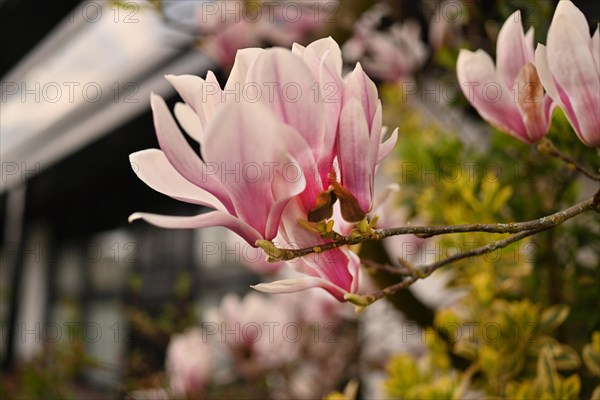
(547, 147)
(550, 221)
(427, 270)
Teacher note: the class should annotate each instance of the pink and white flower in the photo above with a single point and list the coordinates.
(189, 363)
(324, 121)
(509, 96)
(389, 55)
(227, 145)
(569, 68)
(227, 26)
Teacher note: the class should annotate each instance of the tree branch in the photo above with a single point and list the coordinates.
(426, 270)
(547, 147)
(527, 227)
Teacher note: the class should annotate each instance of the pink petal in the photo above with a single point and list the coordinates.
(248, 145)
(189, 121)
(213, 218)
(189, 88)
(299, 284)
(155, 170)
(212, 95)
(543, 70)
(532, 103)
(302, 163)
(243, 60)
(359, 86)
(181, 155)
(293, 94)
(383, 197)
(512, 50)
(574, 68)
(375, 133)
(595, 48)
(333, 265)
(490, 97)
(574, 15)
(328, 49)
(386, 147)
(284, 188)
(354, 153)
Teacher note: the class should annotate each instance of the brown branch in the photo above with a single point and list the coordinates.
(547, 147)
(427, 270)
(547, 222)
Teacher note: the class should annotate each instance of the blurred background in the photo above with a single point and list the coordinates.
(90, 302)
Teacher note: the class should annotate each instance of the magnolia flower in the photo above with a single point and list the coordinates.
(251, 132)
(446, 24)
(217, 180)
(510, 95)
(252, 329)
(227, 26)
(290, 84)
(569, 68)
(388, 55)
(189, 363)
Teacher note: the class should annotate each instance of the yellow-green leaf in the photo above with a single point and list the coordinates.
(591, 358)
(565, 357)
(546, 371)
(553, 316)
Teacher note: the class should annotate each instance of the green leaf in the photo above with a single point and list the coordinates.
(546, 371)
(465, 349)
(565, 357)
(596, 393)
(553, 316)
(591, 358)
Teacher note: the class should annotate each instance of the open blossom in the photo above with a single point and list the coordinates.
(509, 96)
(389, 54)
(189, 363)
(569, 68)
(179, 172)
(244, 320)
(278, 109)
(227, 26)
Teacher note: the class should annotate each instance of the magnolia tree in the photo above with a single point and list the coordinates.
(290, 148)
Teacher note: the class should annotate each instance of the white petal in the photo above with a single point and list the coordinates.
(189, 120)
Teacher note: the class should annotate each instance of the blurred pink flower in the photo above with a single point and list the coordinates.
(510, 95)
(252, 329)
(388, 55)
(227, 26)
(446, 24)
(189, 363)
(569, 68)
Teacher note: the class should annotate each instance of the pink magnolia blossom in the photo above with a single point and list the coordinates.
(390, 55)
(324, 121)
(179, 172)
(509, 96)
(251, 328)
(569, 68)
(189, 363)
(228, 26)
(291, 85)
